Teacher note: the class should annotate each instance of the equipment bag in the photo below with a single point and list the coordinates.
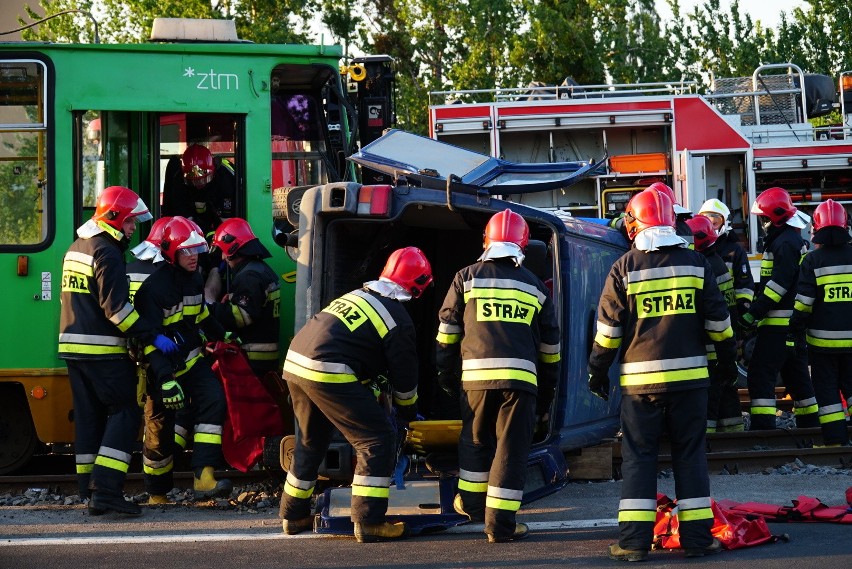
(734, 529)
(252, 412)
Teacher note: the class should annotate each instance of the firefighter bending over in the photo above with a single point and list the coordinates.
(659, 306)
(174, 294)
(499, 335)
(356, 338)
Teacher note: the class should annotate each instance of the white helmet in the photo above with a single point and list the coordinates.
(715, 206)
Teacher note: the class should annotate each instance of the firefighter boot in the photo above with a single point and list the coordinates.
(292, 527)
(157, 500)
(206, 486)
(369, 533)
(713, 548)
(521, 532)
(104, 501)
(618, 554)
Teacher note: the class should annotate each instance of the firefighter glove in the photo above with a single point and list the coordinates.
(747, 321)
(726, 371)
(794, 342)
(172, 395)
(449, 383)
(165, 344)
(599, 385)
(407, 413)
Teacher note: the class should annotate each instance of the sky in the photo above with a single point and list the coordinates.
(767, 11)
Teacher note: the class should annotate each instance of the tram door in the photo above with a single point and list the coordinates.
(142, 151)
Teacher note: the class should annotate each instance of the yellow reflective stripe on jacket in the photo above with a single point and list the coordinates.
(804, 303)
(664, 371)
(776, 318)
(449, 333)
(664, 278)
(91, 344)
(314, 370)
(608, 336)
(549, 353)
(190, 361)
(496, 369)
(504, 289)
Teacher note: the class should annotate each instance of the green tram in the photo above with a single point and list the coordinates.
(75, 119)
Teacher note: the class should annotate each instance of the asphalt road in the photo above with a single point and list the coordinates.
(569, 529)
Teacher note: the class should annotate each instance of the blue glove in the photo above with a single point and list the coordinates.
(172, 395)
(165, 344)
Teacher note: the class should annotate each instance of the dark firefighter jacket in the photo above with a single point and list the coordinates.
(729, 248)
(824, 300)
(96, 316)
(251, 309)
(358, 337)
(137, 272)
(779, 272)
(174, 298)
(662, 305)
(726, 286)
(207, 206)
(501, 320)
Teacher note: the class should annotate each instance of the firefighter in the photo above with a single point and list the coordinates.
(498, 337)
(251, 306)
(823, 309)
(729, 248)
(200, 187)
(723, 401)
(681, 213)
(659, 305)
(174, 295)
(147, 255)
(770, 312)
(358, 337)
(95, 321)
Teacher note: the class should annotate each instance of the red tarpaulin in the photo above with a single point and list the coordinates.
(252, 412)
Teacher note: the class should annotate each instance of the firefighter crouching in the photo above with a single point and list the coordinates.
(357, 337)
(173, 294)
(723, 401)
(96, 320)
(823, 317)
(659, 305)
(498, 334)
(251, 305)
(771, 311)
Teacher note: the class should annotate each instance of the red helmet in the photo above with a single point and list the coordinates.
(234, 236)
(703, 231)
(664, 188)
(410, 269)
(117, 204)
(157, 229)
(829, 214)
(181, 236)
(508, 227)
(774, 204)
(648, 208)
(198, 165)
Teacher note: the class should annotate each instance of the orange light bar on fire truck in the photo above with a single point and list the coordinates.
(374, 200)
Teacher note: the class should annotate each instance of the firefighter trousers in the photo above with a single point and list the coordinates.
(352, 409)
(832, 377)
(724, 414)
(165, 429)
(495, 440)
(106, 422)
(771, 357)
(645, 419)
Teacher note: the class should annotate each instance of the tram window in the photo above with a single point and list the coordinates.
(105, 157)
(206, 200)
(23, 128)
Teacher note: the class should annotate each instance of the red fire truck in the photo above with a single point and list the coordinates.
(742, 136)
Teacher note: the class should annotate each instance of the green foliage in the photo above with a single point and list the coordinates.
(484, 44)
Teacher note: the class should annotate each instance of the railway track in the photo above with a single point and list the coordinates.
(753, 452)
